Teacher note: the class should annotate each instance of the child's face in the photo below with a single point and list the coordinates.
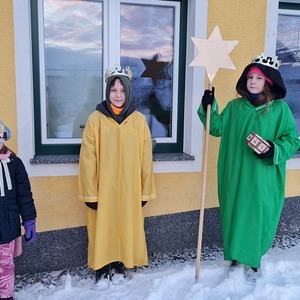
(117, 94)
(255, 83)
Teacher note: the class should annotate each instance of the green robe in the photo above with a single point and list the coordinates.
(251, 190)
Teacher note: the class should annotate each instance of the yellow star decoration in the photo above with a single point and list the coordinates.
(213, 53)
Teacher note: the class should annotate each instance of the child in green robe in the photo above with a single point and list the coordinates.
(251, 184)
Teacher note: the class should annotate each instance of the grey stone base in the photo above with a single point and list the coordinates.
(67, 248)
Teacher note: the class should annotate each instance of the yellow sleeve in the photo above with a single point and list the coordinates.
(87, 178)
(148, 184)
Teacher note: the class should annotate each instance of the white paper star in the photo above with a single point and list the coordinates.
(213, 53)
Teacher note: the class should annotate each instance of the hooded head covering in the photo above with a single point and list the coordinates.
(5, 133)
(256, 70)
(127, 85)
(4, 160)
(269, 67)
(129, 107)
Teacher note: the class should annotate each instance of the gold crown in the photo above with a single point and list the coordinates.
(117, 71)
(268, 61)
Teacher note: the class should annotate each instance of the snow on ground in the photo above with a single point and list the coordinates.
(172, 277)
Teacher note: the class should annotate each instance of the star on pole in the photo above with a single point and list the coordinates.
(213, 53)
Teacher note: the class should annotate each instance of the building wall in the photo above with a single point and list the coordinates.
(7, 79)
(178, 192)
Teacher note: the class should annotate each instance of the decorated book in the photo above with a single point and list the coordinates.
(257, 143)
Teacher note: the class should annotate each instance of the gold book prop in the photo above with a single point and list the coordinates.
(257, 143)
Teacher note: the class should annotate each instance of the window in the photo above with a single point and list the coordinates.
(75, 41)
(288, 51)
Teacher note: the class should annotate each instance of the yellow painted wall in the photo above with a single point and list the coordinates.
(8, 110)
(58, 207)
(56, 197)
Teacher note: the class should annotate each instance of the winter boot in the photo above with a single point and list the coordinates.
(103, 272)
(101, 278)
(234, 264)
(118, 276)
(252, 274)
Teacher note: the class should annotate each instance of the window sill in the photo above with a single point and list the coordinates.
(74, 159)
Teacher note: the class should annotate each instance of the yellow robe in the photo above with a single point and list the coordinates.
(116, 170)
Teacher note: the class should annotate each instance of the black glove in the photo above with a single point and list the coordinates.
(208, 98)
(268, 154)
(92, 205)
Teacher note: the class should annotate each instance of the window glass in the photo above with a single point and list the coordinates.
(73, 65)
(288, 51)
(147, 45)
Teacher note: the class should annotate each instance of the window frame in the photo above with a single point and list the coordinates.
(273, 10)
(195, 82)
(50, 146)
(289, 9)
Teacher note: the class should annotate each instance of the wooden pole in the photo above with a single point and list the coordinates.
(204, 172)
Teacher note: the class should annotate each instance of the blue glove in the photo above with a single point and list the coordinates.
(30, 230)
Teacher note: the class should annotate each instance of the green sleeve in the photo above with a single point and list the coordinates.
(216, 119)
(288, 143)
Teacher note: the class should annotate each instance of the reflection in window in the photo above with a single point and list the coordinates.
(73, 65)
(288, 51)
(147, 46)
(75, 41)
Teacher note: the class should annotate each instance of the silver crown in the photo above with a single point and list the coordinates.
(117, 71)
(268, 61)
(2, 129)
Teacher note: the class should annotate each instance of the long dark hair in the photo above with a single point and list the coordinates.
(276, 91)
(265, 98)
